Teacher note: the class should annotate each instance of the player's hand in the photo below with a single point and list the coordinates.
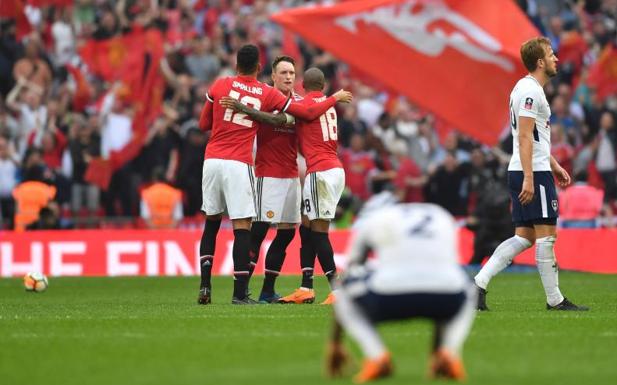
(343, 96)
(526, 195)
(562, 176)
(336, 359)
(232, 103)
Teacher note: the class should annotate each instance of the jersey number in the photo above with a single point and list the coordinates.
(240, 118)
(419, 229)
(512, 117)
(328, 125)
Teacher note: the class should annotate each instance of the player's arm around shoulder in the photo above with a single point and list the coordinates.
(276, 120)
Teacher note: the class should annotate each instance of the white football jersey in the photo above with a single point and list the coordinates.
(528, 99)
(415, 249)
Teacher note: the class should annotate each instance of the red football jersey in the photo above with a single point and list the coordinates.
(318, 137)
(233, 133)
(277, 150)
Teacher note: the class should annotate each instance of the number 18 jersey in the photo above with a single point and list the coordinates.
(528, 100)
(233, 133)
(318, 138)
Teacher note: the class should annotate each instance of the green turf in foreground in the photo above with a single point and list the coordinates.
(150, 331)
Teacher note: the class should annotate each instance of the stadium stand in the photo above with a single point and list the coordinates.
(96, 94)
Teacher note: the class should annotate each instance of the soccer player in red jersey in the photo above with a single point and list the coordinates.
(323, 185)
(228, 177)
(277, 187)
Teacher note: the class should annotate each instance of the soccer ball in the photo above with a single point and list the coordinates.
(36, 282)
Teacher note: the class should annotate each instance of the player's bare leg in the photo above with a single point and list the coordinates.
(502, 257)
(207, 246)
(242, 245)
(549, 272)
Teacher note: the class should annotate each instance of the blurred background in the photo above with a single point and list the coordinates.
(101, 99)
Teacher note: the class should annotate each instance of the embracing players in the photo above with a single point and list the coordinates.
(228, 177)
(323, 185)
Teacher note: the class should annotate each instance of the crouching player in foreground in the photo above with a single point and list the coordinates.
(413, 272)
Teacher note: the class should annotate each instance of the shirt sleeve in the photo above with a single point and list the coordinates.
(310, 112)
(276, 101)
(529, 104)
(205, 119)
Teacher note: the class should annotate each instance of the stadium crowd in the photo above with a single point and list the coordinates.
(50, 132)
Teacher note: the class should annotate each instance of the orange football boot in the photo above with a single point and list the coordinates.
(330, 299)
(375, 369)
(445, 365)
(299, 296)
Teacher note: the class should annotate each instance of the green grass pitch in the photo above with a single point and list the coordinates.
(151, 331)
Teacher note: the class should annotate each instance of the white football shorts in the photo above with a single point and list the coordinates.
(278, 200)
(228, 184)
(322, 191)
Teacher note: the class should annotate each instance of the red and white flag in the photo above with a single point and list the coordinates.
(456, 58)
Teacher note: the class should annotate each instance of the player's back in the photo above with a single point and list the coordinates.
(527, 99)
(415, 245)
(277, 150)
(233, 132)
(318, 138)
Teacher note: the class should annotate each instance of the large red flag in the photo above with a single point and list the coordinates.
(456, 58)
(134, 59)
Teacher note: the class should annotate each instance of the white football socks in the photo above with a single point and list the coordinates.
(456, 330)
(501, 258)
(358, 326)
(547, 267)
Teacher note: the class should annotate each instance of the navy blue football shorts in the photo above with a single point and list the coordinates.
(543, 209)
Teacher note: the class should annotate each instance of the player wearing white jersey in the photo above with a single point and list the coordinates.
(414, 273)
(531, 176)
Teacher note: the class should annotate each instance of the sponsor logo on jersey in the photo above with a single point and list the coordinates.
(528, 103)
(555, 205)
(270, 214)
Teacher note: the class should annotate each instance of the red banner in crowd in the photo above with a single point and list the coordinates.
(15, 9)
(171, 253)
(133, 59)
(456, 58)
(603, 73)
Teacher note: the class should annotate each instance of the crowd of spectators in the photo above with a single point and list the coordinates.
(385, 140)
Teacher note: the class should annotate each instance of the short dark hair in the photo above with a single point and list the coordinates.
(281, 58)
(247, 59)
(532, 50)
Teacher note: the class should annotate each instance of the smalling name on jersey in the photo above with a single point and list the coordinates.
(253, 90)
